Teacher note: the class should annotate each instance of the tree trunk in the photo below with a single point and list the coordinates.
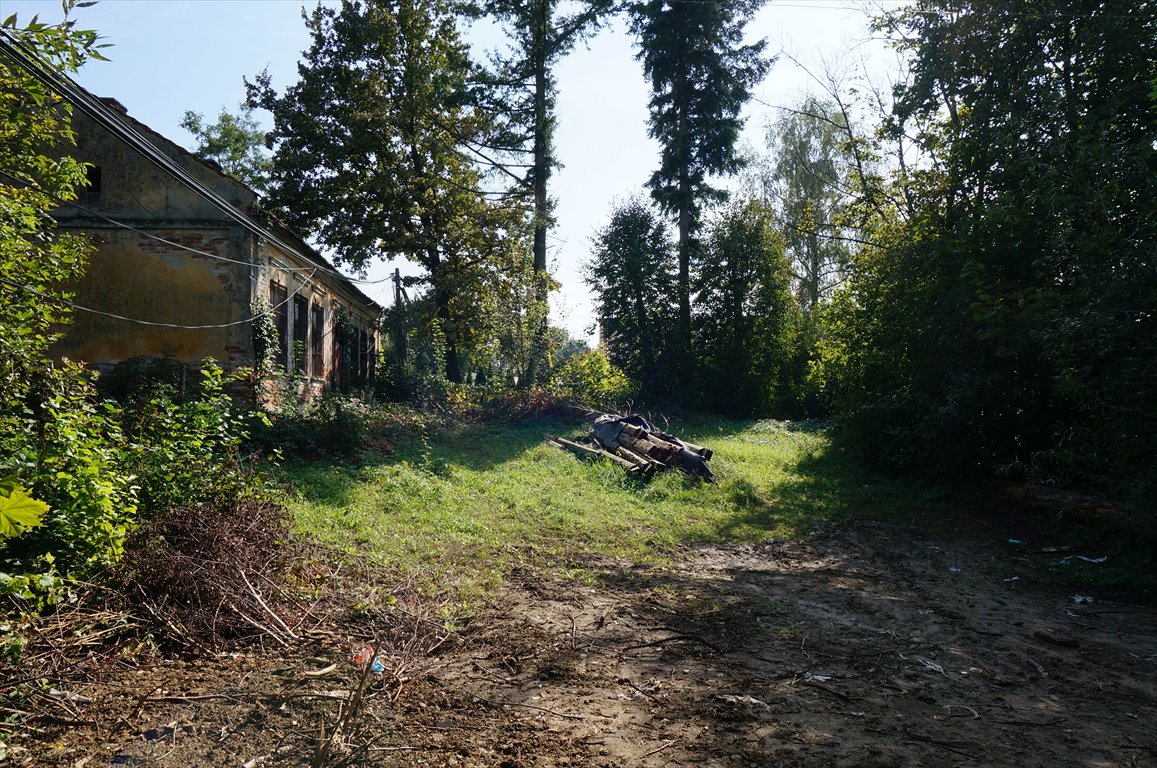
(445, 319)
(536, 364)
(683, 284)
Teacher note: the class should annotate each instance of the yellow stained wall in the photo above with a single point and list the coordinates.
(137, 277)
(134, 275)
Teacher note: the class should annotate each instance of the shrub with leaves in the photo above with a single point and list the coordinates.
(187, 450)
(590, 378)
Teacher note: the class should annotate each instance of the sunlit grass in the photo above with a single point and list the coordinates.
(464, 506)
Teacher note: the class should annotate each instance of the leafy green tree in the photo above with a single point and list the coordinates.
(1007, 323)
(744, 311)
(591, 378)
(369, 147)
(701, 75)
(35, 171)
(805, 179)
(520, 86)
(812, 177)
(632, 275)
(53, 440)
(236, 142)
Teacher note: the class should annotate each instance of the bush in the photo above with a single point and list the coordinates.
(589, 377)
(187, 449)
(333, 425)
(71, 458)
(100, 466)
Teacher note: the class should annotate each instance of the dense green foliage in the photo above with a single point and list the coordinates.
(51, 434)
(632, 275)
(370, 150)
(983, 305)
(806, 178)
(744, 312)
(236, 142)
(591, 378)
(1004, 320)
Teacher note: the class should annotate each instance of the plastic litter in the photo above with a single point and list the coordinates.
(1078, 599)
(1015, 541)
(363, 657)
(1094, 560)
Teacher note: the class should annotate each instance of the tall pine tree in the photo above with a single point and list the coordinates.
(521, 87)
(701, 75)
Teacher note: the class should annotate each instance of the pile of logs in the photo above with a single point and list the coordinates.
(634, 444)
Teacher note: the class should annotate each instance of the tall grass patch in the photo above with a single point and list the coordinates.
(463, 505)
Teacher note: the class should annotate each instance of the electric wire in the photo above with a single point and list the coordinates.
(150, 235)
(137, 321)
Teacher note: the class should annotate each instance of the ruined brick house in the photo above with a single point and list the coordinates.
(176, 275)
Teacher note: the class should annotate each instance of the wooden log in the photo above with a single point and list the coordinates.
(584, 450)
(647, 448)
(650, 466)
(641, 434)
(706, 453)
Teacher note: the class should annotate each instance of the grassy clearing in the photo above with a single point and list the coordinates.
(463, 506)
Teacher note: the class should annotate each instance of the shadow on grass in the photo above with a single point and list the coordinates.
(825, 488)
(474, 447)
(483, 447)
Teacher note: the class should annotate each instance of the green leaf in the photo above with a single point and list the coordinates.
(18, 512)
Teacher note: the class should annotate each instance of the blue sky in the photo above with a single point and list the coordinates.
(172, 55)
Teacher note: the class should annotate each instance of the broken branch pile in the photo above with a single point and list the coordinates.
(633, 443)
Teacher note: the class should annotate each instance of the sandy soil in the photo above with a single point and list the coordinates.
(867, 645)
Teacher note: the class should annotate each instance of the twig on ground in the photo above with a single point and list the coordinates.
(658, 749)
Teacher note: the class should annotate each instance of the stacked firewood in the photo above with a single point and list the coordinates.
(633, 443)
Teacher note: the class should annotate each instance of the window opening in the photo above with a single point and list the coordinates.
(317, 340)
(90, 193)
(300, 333)
(278, 297)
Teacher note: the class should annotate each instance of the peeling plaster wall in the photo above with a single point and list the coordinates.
(133, 274)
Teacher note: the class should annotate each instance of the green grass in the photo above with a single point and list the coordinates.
(463, 506)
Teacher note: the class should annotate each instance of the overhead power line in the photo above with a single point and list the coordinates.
(138, 321)
(145, 233)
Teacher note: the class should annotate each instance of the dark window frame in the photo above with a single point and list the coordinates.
(300, 334)
(279, 300)
(317, 339)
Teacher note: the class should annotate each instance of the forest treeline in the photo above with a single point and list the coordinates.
(958, 269)
(962, 269)
(957, 265)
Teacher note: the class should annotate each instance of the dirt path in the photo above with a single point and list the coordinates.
(865, 646)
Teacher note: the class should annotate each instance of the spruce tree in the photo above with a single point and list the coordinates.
(701, 75)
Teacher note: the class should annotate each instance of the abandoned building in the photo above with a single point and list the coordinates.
(187, 266)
